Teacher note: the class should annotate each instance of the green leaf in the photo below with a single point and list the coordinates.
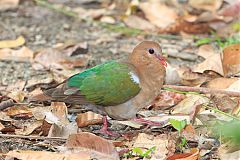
(203, 41)
(178, 125)
(138, 150)
(149, 151)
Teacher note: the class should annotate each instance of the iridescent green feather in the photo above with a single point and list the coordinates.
(106, 84)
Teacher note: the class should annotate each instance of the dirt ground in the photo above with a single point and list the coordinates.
(43, 28)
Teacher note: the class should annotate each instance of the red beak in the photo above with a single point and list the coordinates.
(162, 60)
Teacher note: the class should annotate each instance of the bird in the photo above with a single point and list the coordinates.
(118, 89)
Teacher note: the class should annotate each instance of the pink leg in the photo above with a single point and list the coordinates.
(104, 130)
(148, 122)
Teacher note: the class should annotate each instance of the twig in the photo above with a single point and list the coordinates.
(195, 90)
(6, 104)
(33, 137)
(220, 112)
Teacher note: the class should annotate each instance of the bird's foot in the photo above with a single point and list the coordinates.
(148, 122)
(104, 130)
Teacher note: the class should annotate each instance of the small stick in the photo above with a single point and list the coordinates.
(33, 137)
(202, 90)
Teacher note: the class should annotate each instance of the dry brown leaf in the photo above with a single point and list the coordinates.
(193, 155)
(23, 54)
(98, 147)
(8, 4)
(44, 155)
(211, 5)
(148, 141)
(66, 56)
(189, 104)
(231, 60)
(220, 83)
(139, 23)
(167, 99)
(158, 13)
(17, 96)
(190, 78)
(28, 128)
(212, 63)
(88, 118)
(206, 51)
(224, 102)
(19, 111)
(233, 10)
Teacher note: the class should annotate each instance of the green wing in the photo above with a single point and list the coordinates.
(107, 84)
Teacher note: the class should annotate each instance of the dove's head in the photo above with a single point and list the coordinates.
(147, 52)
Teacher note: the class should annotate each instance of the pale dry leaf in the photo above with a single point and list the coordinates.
(233, 155)
(211, 5)
(28, 128)
(59, 109)
(108, 19)
(139, 23)
(19, 110)
(206, 51)
(235, 86)
(63, 131)
(148, 141)
(132, 124)
(12, 43)
(220, 83)
(164, 118)
(231, 60)
(172, 76)
(88, 118)
(186, 106)
(212, 63)
(1, 126)
(158, 13)
(98, 147)
(39, 113)
(8, 4)
(23, 54)
(5, 117)
(17, 96)
(43, 155)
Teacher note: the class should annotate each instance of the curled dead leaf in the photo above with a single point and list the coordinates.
(98, 147)
(212, 5)
(193, 155)
(231, 60)
(22, 54)
(158, 13)
(12, 43)
(88, 118)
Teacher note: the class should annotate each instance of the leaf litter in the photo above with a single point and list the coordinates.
(189, 121)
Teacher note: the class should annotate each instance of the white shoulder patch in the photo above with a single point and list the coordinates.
(134, 77)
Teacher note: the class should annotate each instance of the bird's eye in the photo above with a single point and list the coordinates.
(151, 51)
